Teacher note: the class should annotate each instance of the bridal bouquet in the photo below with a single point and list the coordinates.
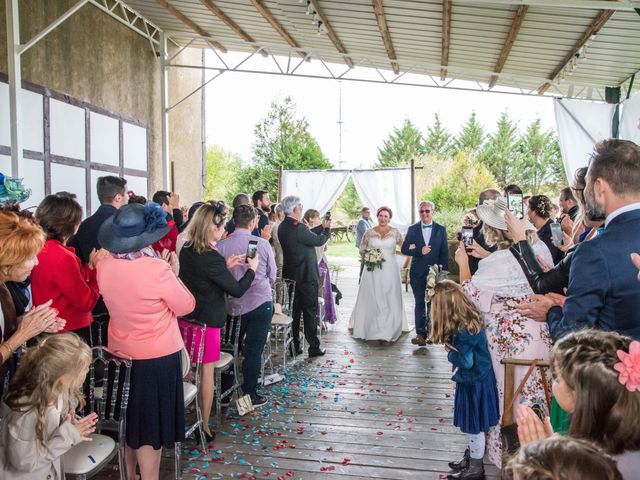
(372, 258)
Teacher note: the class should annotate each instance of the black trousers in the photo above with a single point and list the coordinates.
(305, 305)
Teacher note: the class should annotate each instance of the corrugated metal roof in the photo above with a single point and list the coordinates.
(478, 32)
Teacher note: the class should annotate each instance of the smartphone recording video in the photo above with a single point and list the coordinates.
(327, 216)
(252, 249)
(467, 236)
(556, 234)
(516, 204)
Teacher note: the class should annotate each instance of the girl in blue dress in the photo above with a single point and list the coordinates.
(458, 325)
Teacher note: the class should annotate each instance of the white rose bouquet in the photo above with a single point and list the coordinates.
(372, 258)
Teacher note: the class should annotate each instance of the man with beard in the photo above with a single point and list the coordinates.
(263, 204)
(603, 292)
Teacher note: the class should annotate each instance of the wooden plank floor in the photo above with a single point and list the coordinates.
(364, 410)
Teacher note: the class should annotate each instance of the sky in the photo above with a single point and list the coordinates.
(235, 102)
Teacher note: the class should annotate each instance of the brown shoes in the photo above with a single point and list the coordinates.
(419, 340)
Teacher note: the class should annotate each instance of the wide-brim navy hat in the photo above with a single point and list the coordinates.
(133, 227)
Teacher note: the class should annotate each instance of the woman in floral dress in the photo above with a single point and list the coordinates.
(497, 288)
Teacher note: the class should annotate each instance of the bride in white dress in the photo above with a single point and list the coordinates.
(379, 310)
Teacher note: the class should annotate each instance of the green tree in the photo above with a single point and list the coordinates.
(462, 185)
(438, 140)
(501, 151)
(540, 162)
(471, 137)
(401, 146)
(349, 201)
(221, 171)
(281, 141)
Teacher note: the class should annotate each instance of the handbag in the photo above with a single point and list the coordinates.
(509, 433)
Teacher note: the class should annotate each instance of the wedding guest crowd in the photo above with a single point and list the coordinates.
(573, 305)
(536, 302)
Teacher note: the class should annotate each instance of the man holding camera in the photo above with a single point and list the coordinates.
(427, 244)
(300, 264)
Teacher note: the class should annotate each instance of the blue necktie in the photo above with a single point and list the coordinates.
(426, 226)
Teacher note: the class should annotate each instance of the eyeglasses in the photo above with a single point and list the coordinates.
(425, 211)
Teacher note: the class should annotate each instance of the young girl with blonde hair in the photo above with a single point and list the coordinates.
(597, 381)
(39, 423)
(458, 325)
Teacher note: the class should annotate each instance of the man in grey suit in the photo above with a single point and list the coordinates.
(363, 225)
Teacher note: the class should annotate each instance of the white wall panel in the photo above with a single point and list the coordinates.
(105, 142)
(33, 173)
(135, 146)
(70, 179)
(32, 122)
(138, 185)
(67, 130)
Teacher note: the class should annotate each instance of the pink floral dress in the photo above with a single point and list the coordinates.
(497, 288)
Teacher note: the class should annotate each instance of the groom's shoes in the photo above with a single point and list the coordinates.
(317, 353)
(419, 340)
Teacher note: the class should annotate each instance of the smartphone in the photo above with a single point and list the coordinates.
(252, 249)
(467, 236)
(327, 216)
(556, 234)
(516, 204)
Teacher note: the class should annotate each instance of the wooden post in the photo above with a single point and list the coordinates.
(413, 190)
(172, 185)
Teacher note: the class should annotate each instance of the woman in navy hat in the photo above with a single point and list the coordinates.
(144, 297)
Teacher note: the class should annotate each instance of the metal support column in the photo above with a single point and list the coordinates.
(15, 86)
(164, 94)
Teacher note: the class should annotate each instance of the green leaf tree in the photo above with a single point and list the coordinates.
(401, 146)
(282, 140)
(349, 201)
(540, 162)
(221, 172)
(438, 140)
(461, 187)
(471, 137)
(501, 152)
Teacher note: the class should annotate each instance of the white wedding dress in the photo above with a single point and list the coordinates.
(379, 310)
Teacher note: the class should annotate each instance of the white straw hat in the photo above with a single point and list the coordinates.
(491, 212)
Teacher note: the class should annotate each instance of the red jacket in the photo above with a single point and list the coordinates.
(169, 240)
(60, 276)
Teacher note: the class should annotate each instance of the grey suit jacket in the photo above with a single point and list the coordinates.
(361, 228)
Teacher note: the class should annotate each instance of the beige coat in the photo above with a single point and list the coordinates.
(21, 458)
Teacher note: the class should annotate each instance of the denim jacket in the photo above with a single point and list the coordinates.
(472, 361)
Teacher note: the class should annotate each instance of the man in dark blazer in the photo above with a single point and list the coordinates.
(427, 244)
(300, 264)
(603, 289)
(112, 193)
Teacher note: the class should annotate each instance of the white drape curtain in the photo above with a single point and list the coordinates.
(389, 187)
(580, 126)
(630, 119)
(317, 189)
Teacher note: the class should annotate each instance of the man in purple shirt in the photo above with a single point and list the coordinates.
(256, 305)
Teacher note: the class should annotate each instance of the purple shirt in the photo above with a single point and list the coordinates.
(260, 290)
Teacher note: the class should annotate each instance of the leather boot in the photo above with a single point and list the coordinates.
(473, 471)
(460, 464)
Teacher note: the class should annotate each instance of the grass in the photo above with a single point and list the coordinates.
(342, 249)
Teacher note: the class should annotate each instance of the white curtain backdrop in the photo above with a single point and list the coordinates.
(630, 119)
(390, 187)
(580, 126)
(317, 189)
